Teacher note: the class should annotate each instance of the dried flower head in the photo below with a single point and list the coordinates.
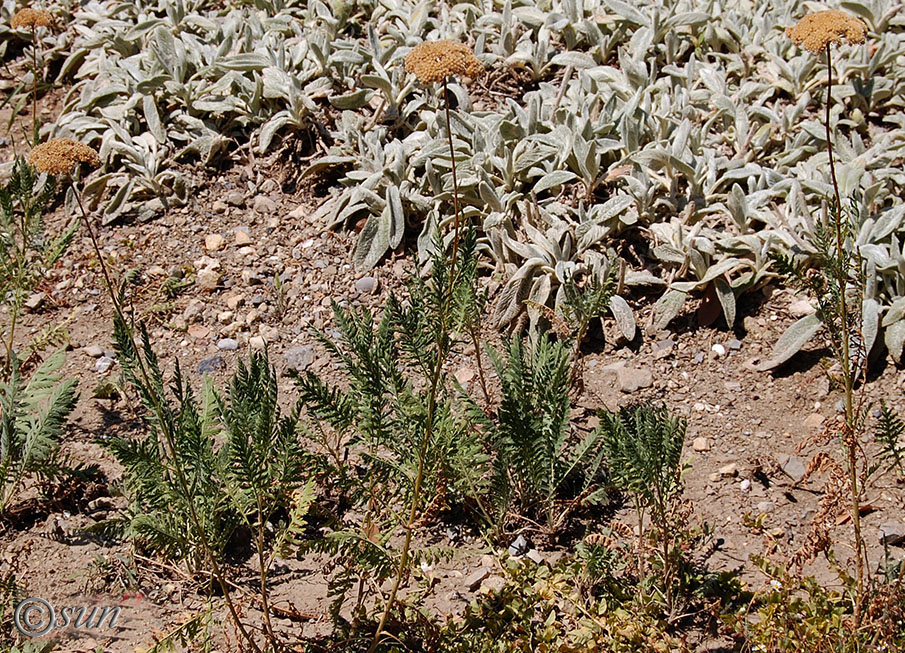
(816, 31)
(31, 18)
(434, 61)
(59, 156)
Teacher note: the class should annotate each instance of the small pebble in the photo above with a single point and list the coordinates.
(211, 364)
(103, 364)
(227, 344)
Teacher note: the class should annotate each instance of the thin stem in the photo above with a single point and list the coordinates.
(34, 86)
(171, 441)
(263, 566)
(850, 433)
(477, 352)
(452, 159)
(432, 397)
(16, 305)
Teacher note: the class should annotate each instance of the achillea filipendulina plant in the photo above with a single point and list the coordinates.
(435, 62)
(59, 156)
(33, 18)
(815, 32)
(830, 285)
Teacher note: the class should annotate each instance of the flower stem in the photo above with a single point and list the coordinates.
(34, 86)
(171, 441)
(452, 160)
(850, 433)
(437, 372)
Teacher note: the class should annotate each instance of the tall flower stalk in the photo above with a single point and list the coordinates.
(433, 62)
(816, 33)
(60, 157)
(33, 18)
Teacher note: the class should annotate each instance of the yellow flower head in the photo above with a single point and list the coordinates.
(59, 156)
(816, 31)
(31, 18)
(434, 61)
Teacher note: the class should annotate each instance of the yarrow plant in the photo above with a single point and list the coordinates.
(816, 32)
(436, 61)
(837, 284)
(29, 18)
(59, 156)
(433, 62)
(62, 157)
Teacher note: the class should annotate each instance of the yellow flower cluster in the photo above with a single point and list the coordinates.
(59, 156)
(816, 31)
(31, 18)
(434, 61)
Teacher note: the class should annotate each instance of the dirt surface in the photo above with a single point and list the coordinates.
(750, 439)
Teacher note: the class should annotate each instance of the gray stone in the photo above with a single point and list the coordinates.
(236, 198)
(208, 279)
(631, 379)
(892, 534)
(735, 344)
(729, 470)
(210, 365)
(243, 237)
(699, 357)
(227, 344)
(535, 556)
(794, 468)
(269, 333)
(493, 584)
(35, 300)
(801, 307)
(813, 421)
(519, 546)
(474, 580)
(367, 285)
(101, 503)
(264, 204)
(103, 364)
(663, 348)
(299, 358)
(94, 351)
(214, 242)
(193, 311)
